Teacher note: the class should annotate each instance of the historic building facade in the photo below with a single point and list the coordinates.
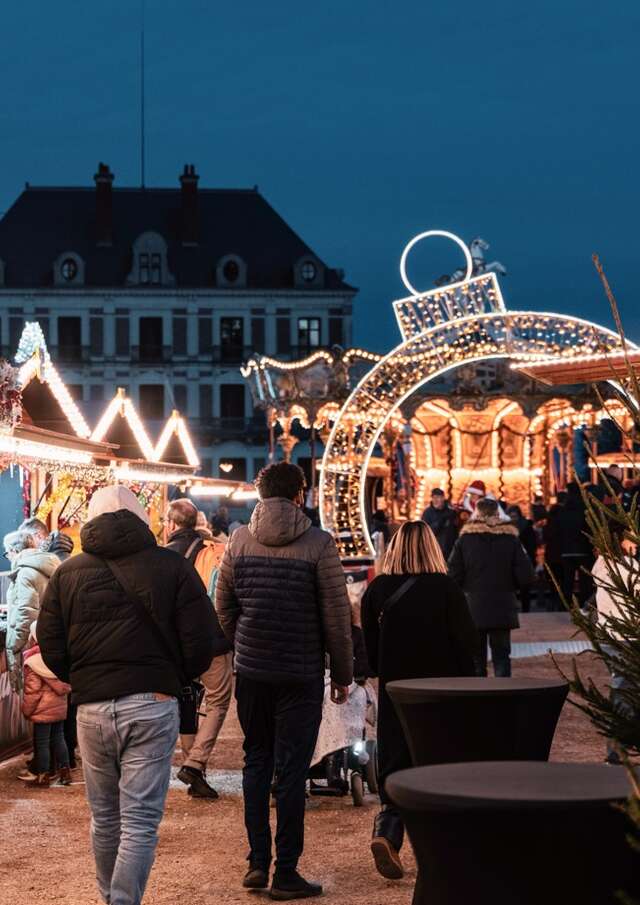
(166, 292)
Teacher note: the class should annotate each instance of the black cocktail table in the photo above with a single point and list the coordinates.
(469, 719)
(517, 833)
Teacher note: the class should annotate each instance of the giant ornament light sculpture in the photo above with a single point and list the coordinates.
(443, 328)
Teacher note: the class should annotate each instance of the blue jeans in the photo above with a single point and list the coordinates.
(127, 745)
(48, 738)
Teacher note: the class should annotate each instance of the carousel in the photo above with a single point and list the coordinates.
(458, 400)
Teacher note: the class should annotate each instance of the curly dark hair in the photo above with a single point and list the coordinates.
(281, 479)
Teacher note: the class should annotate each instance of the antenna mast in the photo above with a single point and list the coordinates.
(142, 91)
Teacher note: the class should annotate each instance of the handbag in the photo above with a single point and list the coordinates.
(190, 692)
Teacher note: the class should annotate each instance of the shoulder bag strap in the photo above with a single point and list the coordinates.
(191, 548)
(147, 617)
(395, 597)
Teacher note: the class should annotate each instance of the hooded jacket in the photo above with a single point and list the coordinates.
(45, 696)
(489, 563)
(94, 636)
(282, 598)
(194, 540)
(28, 581)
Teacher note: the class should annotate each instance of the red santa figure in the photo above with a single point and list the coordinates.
(474, 492)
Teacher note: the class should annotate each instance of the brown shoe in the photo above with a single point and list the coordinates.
(64, 776)
(42, 780)
(387, 859)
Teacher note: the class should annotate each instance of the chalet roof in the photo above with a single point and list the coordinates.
(46, 221)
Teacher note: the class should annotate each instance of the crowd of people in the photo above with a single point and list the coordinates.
(117, 649)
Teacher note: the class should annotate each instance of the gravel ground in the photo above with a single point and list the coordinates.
(46, 858)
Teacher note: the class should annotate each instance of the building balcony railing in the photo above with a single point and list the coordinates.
(151, 354)
(244, 430)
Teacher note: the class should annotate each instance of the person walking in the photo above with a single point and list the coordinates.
(576, 550)
(282, 601)
(44, 704)
(30, 572)
(551, 535)
(442, 520)
(528, 539)
(489, 563)
(127, 624)
(416, 624)
(188, 540)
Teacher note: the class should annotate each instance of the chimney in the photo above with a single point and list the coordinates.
(104, 223)
(189, 184)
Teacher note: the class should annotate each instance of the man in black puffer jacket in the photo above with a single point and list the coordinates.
(489, 563)
(282, 599)
(126, 676)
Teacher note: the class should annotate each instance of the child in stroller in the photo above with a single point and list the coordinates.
(345, 756)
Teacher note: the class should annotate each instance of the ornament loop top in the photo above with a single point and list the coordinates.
(426, 235)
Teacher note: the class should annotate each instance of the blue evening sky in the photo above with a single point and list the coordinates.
(362, 123)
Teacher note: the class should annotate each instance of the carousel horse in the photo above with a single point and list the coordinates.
(477, 248)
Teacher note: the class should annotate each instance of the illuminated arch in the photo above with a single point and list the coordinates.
(434, 343)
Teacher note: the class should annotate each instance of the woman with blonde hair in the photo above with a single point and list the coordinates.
(416, 624)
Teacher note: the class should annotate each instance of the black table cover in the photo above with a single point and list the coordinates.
(470, 719)
(518, 833)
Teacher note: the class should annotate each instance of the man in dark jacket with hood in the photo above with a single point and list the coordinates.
(282, 599)
(490, 565)
(185, 539)
(442, 520)
(126, 623)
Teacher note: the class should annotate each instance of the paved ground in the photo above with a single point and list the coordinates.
(45, 856)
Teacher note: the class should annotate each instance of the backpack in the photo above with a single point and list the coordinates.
(207, 563)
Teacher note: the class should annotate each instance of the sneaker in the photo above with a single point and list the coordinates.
(256, 878)
(198, 785)
(387, 859)
(291, 885)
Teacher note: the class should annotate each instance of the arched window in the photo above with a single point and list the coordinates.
(309, 273)
(231, 272)
(68, 269)
(150, 266)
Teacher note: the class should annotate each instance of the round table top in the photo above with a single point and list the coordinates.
(459, 686)
(507, 784)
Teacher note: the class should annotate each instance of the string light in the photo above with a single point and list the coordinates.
(30, 449)
(176, 427)
(126, 473)
(212, 490)
(34, 357)
(123, 407)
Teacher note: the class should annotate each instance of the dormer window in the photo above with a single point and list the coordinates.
(68, 270)
(231, 271)
(150, 265)
(308, 273)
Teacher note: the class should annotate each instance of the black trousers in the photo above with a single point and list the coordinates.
(280, 723)
(580, 566)
(500, 643)
(393, 755)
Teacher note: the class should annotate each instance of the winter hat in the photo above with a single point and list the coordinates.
(113, 499)
(477, 488)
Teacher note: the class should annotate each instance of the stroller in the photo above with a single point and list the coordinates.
(346, 751)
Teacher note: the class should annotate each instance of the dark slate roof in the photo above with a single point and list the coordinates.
(44, 222)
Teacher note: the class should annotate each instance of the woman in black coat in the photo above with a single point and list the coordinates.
(416, 624)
